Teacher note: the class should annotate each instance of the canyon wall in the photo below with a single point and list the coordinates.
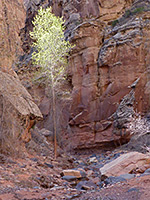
(108, 70)
(111, 53)
(12, 17)
(17, 108)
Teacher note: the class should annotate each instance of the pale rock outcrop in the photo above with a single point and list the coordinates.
(126, 163)
(78, 173)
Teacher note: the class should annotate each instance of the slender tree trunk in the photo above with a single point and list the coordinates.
(54, 120)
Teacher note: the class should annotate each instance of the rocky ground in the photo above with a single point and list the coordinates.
(89, 174)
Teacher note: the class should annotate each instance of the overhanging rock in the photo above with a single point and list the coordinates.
(13, 91)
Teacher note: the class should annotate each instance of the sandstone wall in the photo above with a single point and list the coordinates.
(109, 56)
(17, 108)
(111, 53)
(12, 18)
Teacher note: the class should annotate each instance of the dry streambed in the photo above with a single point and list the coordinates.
(111, 175)
(117, 174)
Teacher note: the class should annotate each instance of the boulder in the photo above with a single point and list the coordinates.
(92, 160)
(69, 178)
(17, 109)
(13, 91)
(86, 185)
(126, 163)
(112, 180)
(127, 176)
(74, 172)
(147, 172)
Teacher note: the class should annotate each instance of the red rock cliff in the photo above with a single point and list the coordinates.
(16, 104)
(111, 53)
(12, 18)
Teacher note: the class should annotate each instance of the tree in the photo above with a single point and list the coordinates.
(51, 51)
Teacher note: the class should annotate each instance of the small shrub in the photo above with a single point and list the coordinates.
(138, 10)
(127, 13)
(114, 23)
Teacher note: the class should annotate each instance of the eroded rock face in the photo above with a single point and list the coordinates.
(18, 112)
(13, 91)
(111, 53)
(106, 61)
(12, 17)
(31, 8)
(17, 108)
